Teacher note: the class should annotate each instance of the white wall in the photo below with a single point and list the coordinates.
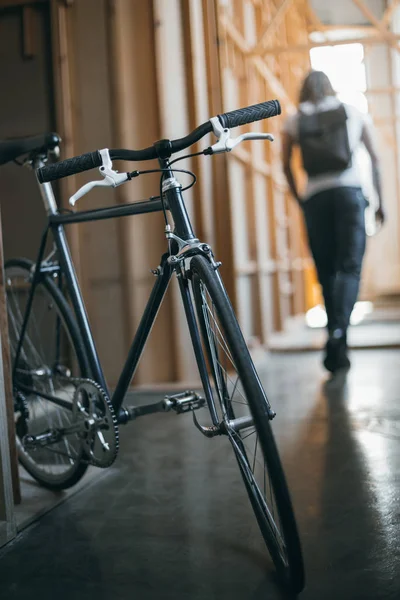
(382, 266)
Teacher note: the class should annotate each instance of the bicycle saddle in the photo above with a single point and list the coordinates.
(11, 149)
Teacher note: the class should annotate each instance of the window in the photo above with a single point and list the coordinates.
(344, 65)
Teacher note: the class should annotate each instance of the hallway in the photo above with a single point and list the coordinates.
(171, 520)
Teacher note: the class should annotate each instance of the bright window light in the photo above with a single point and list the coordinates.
(316, 317)
(345, 67)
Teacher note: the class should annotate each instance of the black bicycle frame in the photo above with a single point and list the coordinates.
(183, 229)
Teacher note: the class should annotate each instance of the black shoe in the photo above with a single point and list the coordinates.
(336, 352)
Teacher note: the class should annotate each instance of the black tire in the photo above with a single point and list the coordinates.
(57, 466)
(222, 337)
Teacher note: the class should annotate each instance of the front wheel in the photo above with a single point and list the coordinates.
(244, 417)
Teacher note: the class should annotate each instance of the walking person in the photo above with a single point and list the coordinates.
(328, 133)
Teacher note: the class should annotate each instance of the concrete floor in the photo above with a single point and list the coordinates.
(171, 520)
(375, 332)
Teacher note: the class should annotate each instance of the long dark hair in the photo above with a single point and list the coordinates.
(316, 86)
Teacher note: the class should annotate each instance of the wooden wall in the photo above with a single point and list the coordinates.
(382, 61)
(123, 73)
(270, 262)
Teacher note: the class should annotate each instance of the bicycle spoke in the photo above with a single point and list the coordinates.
(232, 398)
(42, 348)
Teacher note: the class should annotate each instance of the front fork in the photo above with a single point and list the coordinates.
(196, 343)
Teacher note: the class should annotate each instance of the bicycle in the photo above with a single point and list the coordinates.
(65, 419)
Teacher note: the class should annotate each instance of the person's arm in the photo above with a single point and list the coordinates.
(287, 147)
(367, 139)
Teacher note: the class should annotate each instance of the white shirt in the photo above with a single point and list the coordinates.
(356, 120)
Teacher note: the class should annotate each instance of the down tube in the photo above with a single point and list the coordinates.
(143, 331)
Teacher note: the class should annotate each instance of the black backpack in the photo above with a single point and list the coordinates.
(324, 141)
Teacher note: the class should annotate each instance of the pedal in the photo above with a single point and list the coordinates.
(185, 402)
(180, 403)
(31, 442)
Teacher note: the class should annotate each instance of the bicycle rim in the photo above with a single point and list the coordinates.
(48, 362)
(239, 395)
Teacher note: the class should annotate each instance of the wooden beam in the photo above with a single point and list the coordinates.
(5, 365)
(311, 14)
(382, 90)
(223, 218)
(379, 26)
(387, 15)
(64, 112)
(193, 93)
(386, 120)
(245, 158)
(345, 27)
(272, 25)
(273, 82)
(396, 149)
(376, 39)
(135, 120)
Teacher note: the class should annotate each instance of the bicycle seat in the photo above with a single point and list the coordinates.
(11, 149)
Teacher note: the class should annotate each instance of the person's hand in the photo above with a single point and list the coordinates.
(380, 216)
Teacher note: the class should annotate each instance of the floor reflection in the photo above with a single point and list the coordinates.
(172, 520)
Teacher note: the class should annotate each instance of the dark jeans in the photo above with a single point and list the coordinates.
(336, 233)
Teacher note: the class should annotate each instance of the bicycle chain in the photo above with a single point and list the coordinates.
(91, 460)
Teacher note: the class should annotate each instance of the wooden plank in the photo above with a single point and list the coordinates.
(193, 93)
(249, 94)
(312, 16)
(6, 367)
(169, 50)
(122, 126)
(7, 519)
(366, 41)
(396, 119)
(61, 55)
(382, 90)
(386, 120)
(285, 271)
(345, 27)
(223, 222)
(245, 158)
(379, 26)
(388, 14)
(261, 66)
(272, 25)
(273, 82)
(136, 122)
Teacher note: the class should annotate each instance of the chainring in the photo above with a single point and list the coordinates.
(99, 432)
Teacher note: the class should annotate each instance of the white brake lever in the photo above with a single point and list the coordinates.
(226, 143)
(231, 143)
(111, 178)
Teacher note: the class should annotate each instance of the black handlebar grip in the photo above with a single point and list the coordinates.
(70, 166)
(256, 112)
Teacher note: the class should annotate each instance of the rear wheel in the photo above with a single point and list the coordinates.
(244, 416)
(51, 356)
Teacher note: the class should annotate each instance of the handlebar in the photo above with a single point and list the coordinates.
(91, 160)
